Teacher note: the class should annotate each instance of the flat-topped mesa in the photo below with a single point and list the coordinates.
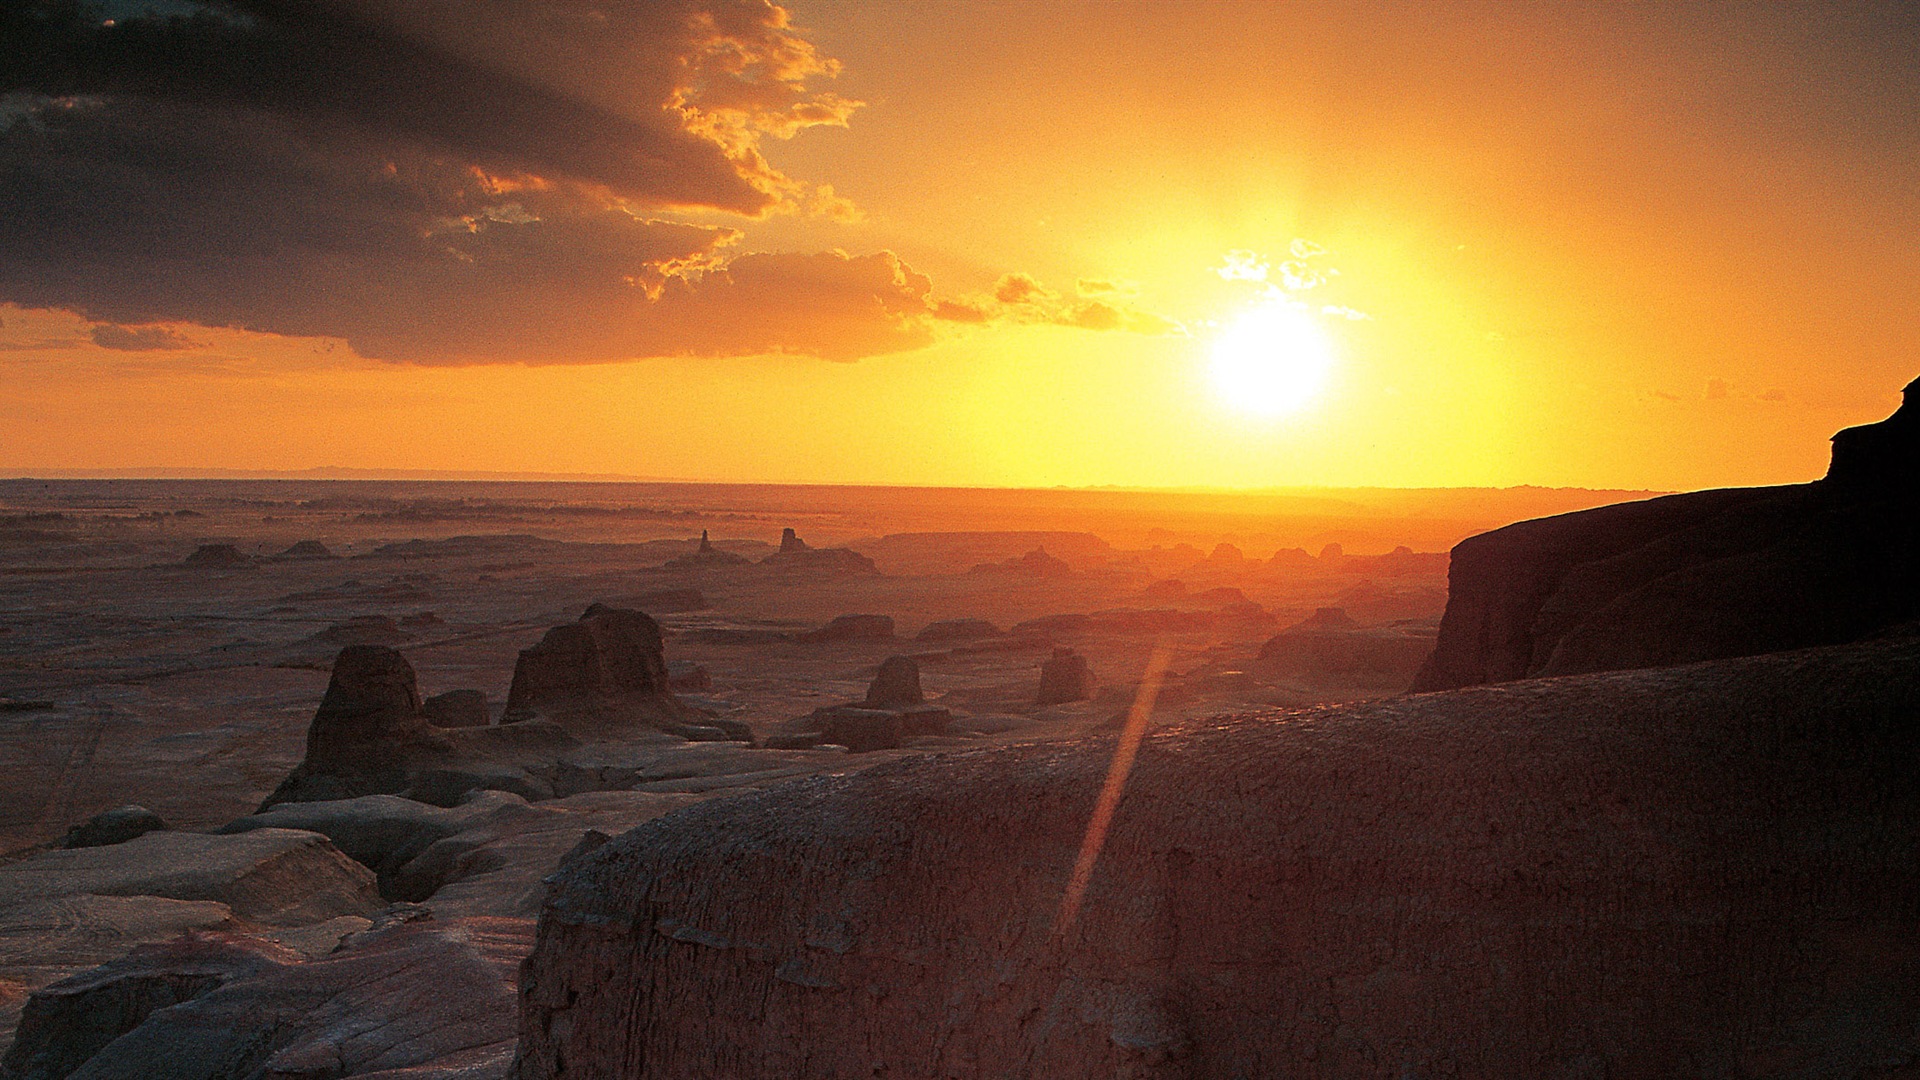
(1699, 576)
(607, 669)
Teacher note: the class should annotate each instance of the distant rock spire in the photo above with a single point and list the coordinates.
(706, 545)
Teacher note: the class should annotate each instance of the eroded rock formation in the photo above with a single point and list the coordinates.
(896, 685)
(597, 676)
(1694, 871)
(796, 554)
(1064, 677)
(1696, 576)
(1330, 645)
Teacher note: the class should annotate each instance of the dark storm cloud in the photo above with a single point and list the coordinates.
(432, 181)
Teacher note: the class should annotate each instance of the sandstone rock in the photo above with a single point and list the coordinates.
(381, 832)
(1696, 576)
(852, 628)
(412, 996)
(1330, 646)
(798, 740)
(370, 736)
(919, 720)
(896, 685)
(69, 1022)
(278, 876)
(115, 826)
(795, 554)
(603, 673)
(1064, 677)
(307, 549)
(457, 709)
(217, 557)
(861, 730)
(1702, 871)
(957, 630)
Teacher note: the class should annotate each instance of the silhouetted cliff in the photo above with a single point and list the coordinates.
(1694, 577)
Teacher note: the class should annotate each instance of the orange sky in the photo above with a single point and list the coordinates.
(1663, 248)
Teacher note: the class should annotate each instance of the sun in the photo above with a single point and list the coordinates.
(1271, 360)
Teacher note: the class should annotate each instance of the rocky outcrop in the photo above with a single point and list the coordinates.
(1693, 871)
(1696, 576)
(302, 550)
(1064, 677)
(707, 557)
(1329, 646)
(1035, 564)
(795, 554)
(371, 736)
(414, 999)
(217, 557)
(896, 685)
(851, 628)
(115, 826)
(598, 676)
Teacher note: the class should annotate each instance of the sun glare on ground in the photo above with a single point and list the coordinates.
(1271, 361)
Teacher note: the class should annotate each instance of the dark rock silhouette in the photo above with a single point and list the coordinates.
(957, 630)
(1036, 563)
(1696, 576)
(307, 549)
(707, 557)
(851, 628)
(1331, 646)
(115, 826)
(598, 676)
(795, 554)
(896, 685)
(217, 557)
(457, 709)
(1064, 677)
(1698, 871)
(371, 736)
(861, 730)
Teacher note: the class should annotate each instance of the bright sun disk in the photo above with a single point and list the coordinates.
(1271, 360)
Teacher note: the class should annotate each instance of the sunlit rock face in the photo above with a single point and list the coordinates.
(1694, 577)
(1707, 870)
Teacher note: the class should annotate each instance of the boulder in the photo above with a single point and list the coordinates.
(861, 730)
(217, 557)
(957, 630)
(896, 685)
(277, 876)
(852, 628)
(1064, 677)
(1698, 871)
(1696, 576)
(115, 826)
(65, 1024)
(457, 709)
